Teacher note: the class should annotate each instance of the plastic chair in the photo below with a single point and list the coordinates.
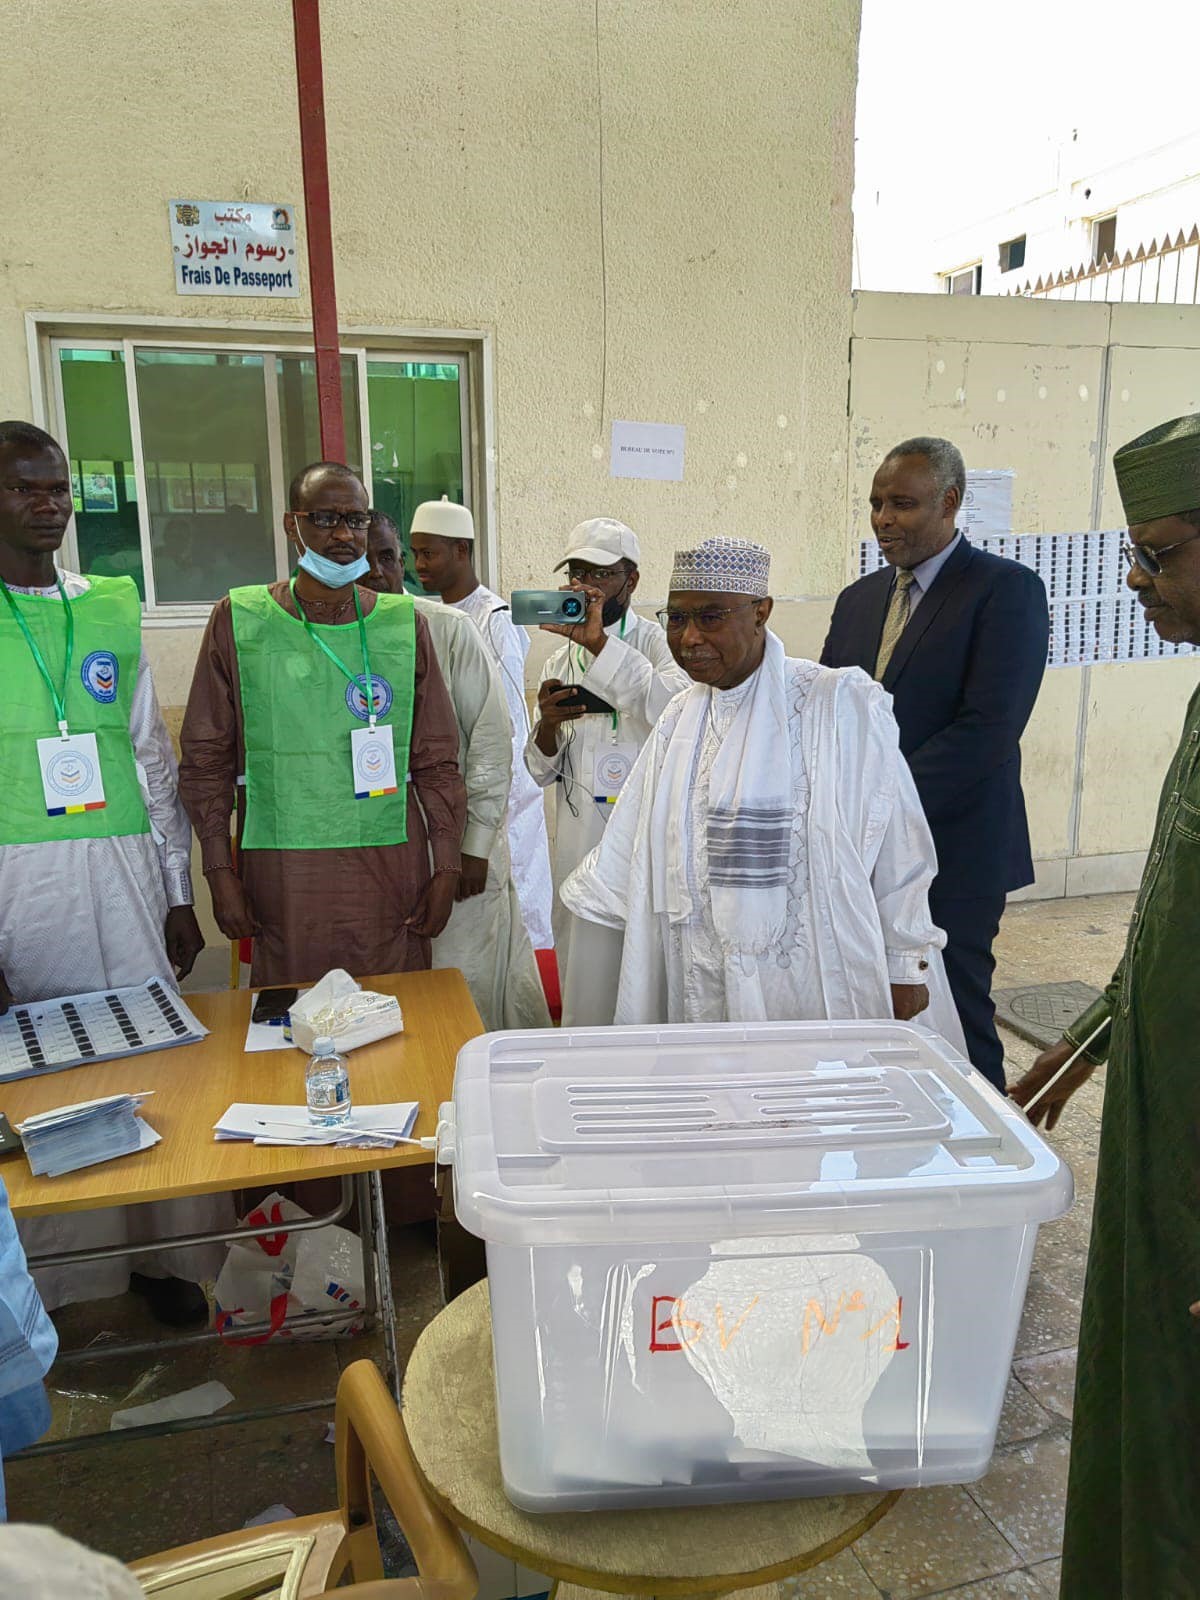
(309, 1556)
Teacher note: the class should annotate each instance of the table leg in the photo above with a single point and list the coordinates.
(378, 1270)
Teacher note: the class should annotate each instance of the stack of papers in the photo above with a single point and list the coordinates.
(369, 1127)
(70, 1137)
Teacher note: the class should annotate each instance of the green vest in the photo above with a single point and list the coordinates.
(298, 712)
(108, 644)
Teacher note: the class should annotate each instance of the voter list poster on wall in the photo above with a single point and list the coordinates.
(1094, 616)
(234, 247)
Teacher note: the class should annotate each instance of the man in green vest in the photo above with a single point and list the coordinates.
(1133, 1501)
(318, 712)
(95, 883)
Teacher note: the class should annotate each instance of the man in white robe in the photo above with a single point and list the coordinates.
(585, 756)
(485, 937)
(442, 540)
(768, 858)
(93, 909)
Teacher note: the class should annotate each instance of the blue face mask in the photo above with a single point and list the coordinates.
(333, 574)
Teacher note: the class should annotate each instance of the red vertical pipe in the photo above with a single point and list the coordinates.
(310, 85)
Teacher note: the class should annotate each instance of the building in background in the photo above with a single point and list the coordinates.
(1126, 231)
(545, 219)
(550, 218)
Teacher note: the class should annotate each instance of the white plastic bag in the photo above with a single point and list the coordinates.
(337, 1008)
(279, 1275)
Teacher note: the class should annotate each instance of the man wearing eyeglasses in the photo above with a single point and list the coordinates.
(318, 713)
(768, 858)
(1133, 1526)
(959, 638)
(586, 752)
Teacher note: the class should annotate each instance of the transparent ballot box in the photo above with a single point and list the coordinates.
(746, 1260)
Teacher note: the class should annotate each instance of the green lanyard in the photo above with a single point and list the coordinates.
(582, 660)
(59, 697)
(368, 680)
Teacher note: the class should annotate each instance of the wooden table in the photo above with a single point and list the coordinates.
(193, 1085)
(450, 1416)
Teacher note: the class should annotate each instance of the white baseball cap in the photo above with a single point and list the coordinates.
(602, 541)
(443, 519)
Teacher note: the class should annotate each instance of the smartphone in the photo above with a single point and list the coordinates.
(533, 608)
(10, 1141)
(273, 1005)
(581, 699)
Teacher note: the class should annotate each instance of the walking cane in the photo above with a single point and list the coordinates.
(1067, 1064)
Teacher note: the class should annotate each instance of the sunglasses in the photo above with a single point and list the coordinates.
(1149, 560)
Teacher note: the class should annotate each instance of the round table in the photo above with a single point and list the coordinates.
(450, 1414)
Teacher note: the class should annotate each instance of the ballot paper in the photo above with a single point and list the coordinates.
(81, 1029)
(369, 1127)
(84, 1134)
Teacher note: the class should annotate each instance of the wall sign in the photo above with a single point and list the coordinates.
(647, 450)
(233, 247)
(987, 504)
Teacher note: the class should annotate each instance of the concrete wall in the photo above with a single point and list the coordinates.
(1049, 389)
(704, 282)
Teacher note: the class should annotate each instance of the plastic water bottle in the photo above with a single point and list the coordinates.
(327, 1086)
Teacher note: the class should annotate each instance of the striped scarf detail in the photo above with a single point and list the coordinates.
(749, 846)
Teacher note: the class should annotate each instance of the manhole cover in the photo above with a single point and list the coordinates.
(1041, 1011)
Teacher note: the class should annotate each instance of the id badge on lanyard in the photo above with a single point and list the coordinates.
(374, 760)
(69, 763)
(372, 749)
(612, 765)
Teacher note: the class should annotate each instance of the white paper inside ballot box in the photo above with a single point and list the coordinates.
(795, 1350)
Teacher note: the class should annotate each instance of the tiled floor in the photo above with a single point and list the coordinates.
(995, 1540)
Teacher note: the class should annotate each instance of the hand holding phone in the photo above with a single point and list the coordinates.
(552, 707)
(582, 699)
(540, 608)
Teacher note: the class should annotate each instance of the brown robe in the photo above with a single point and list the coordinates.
(319, 909)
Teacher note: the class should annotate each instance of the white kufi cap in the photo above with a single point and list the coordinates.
(443, 520)
(723, 566)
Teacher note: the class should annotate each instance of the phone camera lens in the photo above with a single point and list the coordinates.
(573, 608)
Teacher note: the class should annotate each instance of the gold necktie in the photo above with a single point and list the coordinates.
(896, 620)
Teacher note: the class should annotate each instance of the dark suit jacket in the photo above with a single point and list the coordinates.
(963, 680)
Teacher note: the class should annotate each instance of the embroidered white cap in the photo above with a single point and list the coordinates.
(723, 566)
(602, 541)
(443, 520)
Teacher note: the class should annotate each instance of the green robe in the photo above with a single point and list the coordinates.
(1133, 1506)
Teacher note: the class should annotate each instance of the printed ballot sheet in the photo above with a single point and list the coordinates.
(52, 1035)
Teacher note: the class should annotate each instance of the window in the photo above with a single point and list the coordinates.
(968, 280)
(100, 450)
(181, 456)
(1104, 238)
(416, 410)
(1012, 254)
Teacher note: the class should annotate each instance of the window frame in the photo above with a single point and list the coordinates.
(975, 268)
(1005, 245)
(1094, 225)
(469, 349)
